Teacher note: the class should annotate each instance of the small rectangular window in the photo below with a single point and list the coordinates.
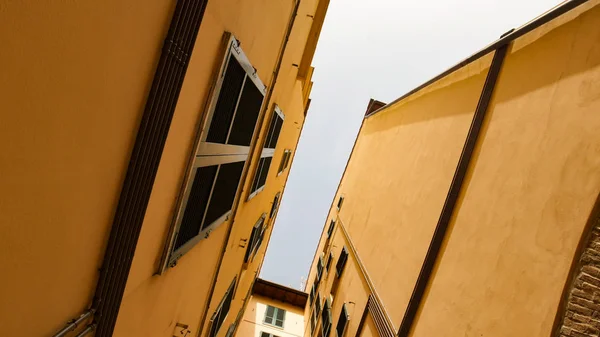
(318, 304)
(312, 294)
(340, 202)
(255, 239)
(339, 267)
(329, 259)
(285, 159)
(313, 321)
(275, 205)
(342, 321)
(326, 318)
(320, 266)
(266, 334)
(264, 163)
(220, 314)
(274, 316)
(330, 229)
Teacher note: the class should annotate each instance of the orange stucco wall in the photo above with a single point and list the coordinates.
(529, 191)
(252, 322)
(76, 80)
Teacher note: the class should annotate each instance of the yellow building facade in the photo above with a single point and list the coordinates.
(469, 206)
(145, 148)
(272, 310)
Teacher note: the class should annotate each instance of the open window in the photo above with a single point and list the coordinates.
(340, 203)
(326, 318)
(285, 160)
(220, 154)
(220, 314)
(256, 237)
(275, 205)
(342, 321)
(264, 163)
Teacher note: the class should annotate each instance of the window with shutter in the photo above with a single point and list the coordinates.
(330, 229)
(255, 239)
(220, 314)
(318, 304)
(264, 163)
(275, 205)
(220, 155)
(342, 321)
(266, 334)
(312, 294)
(285, 159)
(320, 266)
(339, 267)
(329, 259)
(326, 319)
(274, 316)
(340, 202)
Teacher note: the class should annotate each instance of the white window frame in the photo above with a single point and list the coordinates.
(208, 154)
(276, 309)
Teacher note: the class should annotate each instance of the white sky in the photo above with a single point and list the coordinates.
(371, 49)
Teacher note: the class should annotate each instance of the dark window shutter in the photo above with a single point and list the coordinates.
(224, 191)
(260, 176)
(326, 318)
(226, 103)
(330, 229)
(318, 304)
(219, 315)
(340, 202)
(275, 204)
(196, 204)
(246, 115)
(339, 267)
(342, 321)
(329, 259)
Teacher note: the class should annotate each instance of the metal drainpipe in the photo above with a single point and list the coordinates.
(72, 324)
(87, 330)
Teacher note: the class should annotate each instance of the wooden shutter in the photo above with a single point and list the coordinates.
(272, 136)
(342, 321)
(339, 267)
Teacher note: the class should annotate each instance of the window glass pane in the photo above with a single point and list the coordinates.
(246, 115)
(270, 314)
(226, 103)
(280, 316)
(224, 191)
(264, 334)
(272, 142)
(196, 204)
(264, 170)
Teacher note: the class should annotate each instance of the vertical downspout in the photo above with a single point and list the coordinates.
(266, 107)
(144, 162)
(433, 252)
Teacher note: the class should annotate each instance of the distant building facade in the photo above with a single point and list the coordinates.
(469, 206)
(272, 310)
(145, 148)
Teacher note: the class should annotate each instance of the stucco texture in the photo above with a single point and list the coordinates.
(529, 192)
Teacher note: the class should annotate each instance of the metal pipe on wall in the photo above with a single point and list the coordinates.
(72, 324)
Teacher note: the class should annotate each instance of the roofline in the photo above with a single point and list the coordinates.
(282, 287)
(505, 39)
